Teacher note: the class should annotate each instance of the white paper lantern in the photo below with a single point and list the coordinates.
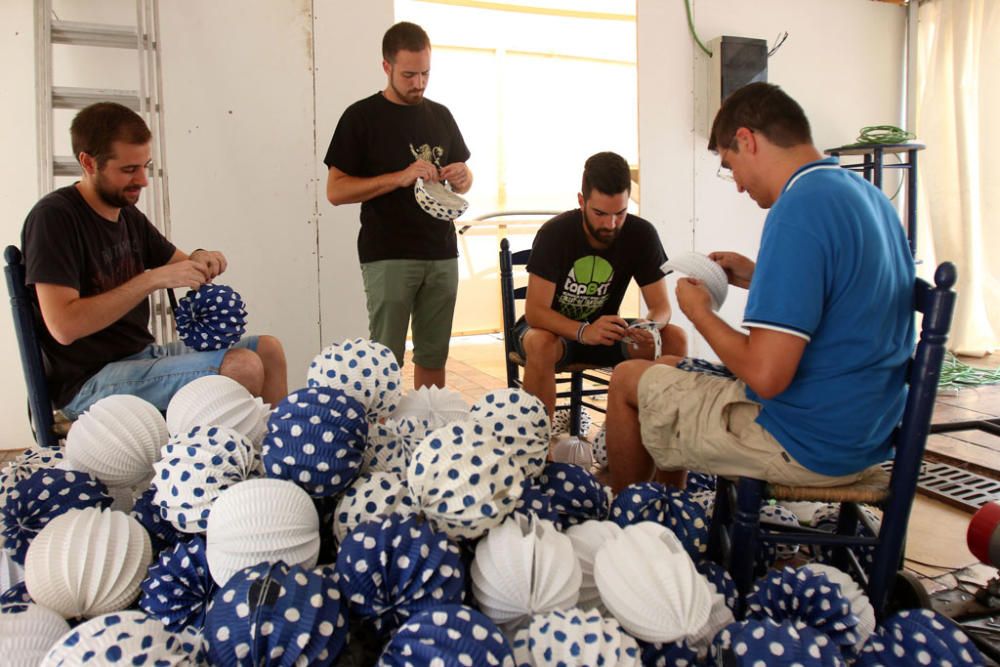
(27, 632)
(434, 405)
(124, 638)
(261, 520)
(88, 562)
(376, 495)
(571, 449)
(711, 273)
(649, 583)
(463, 481)
(363, 369)
(117, 440)
(11, 574)
(195, 468)
(587, 538)
(519, 422)
(575, 637)
(218, 401)
(523, 567)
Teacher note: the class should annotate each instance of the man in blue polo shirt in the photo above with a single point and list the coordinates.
(819, 377)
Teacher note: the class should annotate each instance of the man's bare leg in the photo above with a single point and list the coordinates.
(428, 377)
(272, 354)
(543, 350)
(627, 457)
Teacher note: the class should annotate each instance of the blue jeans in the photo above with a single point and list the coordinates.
(155, 373)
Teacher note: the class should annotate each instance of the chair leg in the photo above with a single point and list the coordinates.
(847, 524)
(719, 548)
(746, 524)
(575, 403)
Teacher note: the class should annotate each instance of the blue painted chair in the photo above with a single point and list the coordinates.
(736, 529)
(585, 381)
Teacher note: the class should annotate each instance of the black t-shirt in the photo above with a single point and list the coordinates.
(374, 137)
(591, 282)
(67, 243)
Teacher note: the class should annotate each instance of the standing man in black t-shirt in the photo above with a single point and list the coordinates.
(580, 266)
(92, 259)
(409, 259)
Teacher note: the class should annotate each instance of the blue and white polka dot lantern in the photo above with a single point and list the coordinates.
(675, 654)
(524, 567)
(195, 468)
(720, 580)
(576, 494)
(768, 642)
(178, 588)
(919, 637)
(23, 465)
(27, 632)
(861, 606)
(213, 317)
(387, 449)
(826, 517)
(600, 447)
(776, 515)
(535, 502)
(40, 498)
(808, 596)
(587, 538)
(519, 422)
(162, 533)
(276, 614)
(667, 506)
(363, 369)
(575, 637)
(463, 481)
(16, 595)
(435, 406)
(393, 568)
(447, 635)
(373, 496)
(561, 418)
(261, 520)
(316, 438)
(122, 638)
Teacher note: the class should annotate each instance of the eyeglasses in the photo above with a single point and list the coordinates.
(725, 174)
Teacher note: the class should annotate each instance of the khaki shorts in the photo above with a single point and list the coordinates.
(694, 421)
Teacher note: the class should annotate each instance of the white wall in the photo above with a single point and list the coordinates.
(249, 117)
(842, 61)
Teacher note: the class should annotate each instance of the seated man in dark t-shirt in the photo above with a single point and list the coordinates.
(580, 266)
(92, 259)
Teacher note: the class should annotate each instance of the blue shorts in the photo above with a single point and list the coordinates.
(155, 373)
(605, 356)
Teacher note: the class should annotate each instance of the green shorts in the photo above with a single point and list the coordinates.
(424, 290)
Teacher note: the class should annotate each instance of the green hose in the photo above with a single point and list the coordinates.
(955, 375)
(694, 33)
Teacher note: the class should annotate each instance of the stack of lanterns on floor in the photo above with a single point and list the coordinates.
(355, 525)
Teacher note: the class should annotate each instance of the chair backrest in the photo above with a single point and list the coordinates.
(936, 304)
(22, 309)
(508, 296)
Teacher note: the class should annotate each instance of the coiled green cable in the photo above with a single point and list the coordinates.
(884, 134)
(955, 374)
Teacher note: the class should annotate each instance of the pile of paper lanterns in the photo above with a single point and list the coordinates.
(358, 524)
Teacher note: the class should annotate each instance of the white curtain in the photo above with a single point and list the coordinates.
(958, 118)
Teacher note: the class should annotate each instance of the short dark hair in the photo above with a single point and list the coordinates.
(404, 36)
(606, 172)
(764, 108)
(96, 127)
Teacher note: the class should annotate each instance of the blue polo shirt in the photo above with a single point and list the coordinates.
(835, 269)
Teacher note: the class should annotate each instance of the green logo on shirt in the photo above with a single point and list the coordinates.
(586, 287)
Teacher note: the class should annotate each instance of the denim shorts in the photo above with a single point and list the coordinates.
(155, 373)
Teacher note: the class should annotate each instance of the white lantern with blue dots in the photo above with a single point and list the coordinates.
(123, 638)
(363, 369)
(519, 422)
(376, 495)
(316, 439)
(575, 637)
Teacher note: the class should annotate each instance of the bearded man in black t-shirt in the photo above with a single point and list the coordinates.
(92, 259)
(580, 266)
(409, 258)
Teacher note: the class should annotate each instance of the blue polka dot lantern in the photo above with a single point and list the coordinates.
(826, 517)
(40, 498)
(919, 637)
(520, 424)
(535, 502)
(178, 588)
(861, 606)
(122, 638)
(316, 438)
(88, 562)
(363, 369)
(600, 447)
(276, 614)
(213, 317)
(575, 637)
(524, 567)
(195, 468)
(776, 515)
(393, 568)
(23, 465)
(720, 580)
(576, 493)
(16, 595)
(667, 506)
(27, 632)
(463, 481)
(768, 642)
(808, 596)
(388, 449)
(373, 496)
(587, 538)
(162, 533)
(447, 635)
(261, 520)
(561, 419)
